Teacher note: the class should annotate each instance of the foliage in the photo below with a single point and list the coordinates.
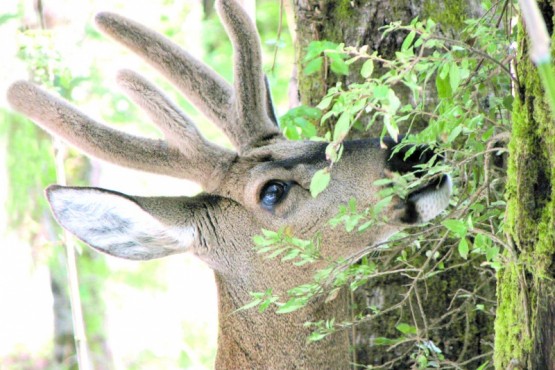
(462, 89)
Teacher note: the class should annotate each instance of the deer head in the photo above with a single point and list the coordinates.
(262, 184)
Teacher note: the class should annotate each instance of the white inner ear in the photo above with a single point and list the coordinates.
(117, 225)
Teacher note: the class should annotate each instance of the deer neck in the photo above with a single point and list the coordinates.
(248, 339)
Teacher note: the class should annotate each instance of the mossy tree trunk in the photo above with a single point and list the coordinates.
(357, 23)
(525, 323)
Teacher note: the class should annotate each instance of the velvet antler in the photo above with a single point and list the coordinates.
(245, 112)
(251, 102)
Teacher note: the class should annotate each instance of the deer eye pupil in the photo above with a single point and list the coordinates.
(273, 193)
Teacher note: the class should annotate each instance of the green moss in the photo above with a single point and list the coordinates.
(344, 10)
(510, 319)
(527, 278)
(449, 13)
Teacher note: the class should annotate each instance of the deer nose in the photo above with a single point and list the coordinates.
(426, 202)
(403, 158)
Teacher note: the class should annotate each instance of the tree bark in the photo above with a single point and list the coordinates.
(357, 23)
(525, 323)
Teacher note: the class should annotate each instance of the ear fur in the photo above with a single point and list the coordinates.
(117, 224)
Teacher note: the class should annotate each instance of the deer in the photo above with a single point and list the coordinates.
(262, 184)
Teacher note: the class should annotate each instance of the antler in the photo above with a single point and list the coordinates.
(187, 155)
(205, 161)
(252, 101)
(242, 112)
(245, 113)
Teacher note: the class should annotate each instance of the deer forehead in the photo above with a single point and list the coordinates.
(296, 161)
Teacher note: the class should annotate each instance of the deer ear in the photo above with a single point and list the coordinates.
(121, 225)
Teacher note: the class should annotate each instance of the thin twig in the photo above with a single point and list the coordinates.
(79, 333)
(278, 36)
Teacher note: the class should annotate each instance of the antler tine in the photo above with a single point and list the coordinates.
(206, 161)
(60, 118)
(209, 92)
(251, 102)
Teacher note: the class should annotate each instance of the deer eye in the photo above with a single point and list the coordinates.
(273, 193)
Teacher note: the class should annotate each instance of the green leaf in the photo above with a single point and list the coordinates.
(391, 126)
(367, 68)
(457, 227)
(408, 40)
(454, 133)
(463, 248)
(261, 241)
(342, 127)
(418, 42)
(454, 76)
(406, 328)
(492, 253)
(276, 253)
(443, 87)
(481, 242)
(508, 102)
(291, 133)
(291, 305)
(326, 101)
(352, 60)
(313, 66)
(316, 336)
(319, 181)
(382, 341)
(381, 91)
(291, 255)
(381, 204)
(339, 67)
(252, 304)
(269, 233)
(489, 133)
(444, 71)
(394, 102)
(365, 225)
(334, 152)
(264, 306)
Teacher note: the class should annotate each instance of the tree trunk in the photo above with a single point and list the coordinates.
(525, 323)
(357, 23)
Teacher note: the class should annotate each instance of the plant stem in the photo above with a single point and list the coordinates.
(79, 334)
(540, 47)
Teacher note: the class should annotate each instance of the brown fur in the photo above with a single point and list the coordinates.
(218, 225)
